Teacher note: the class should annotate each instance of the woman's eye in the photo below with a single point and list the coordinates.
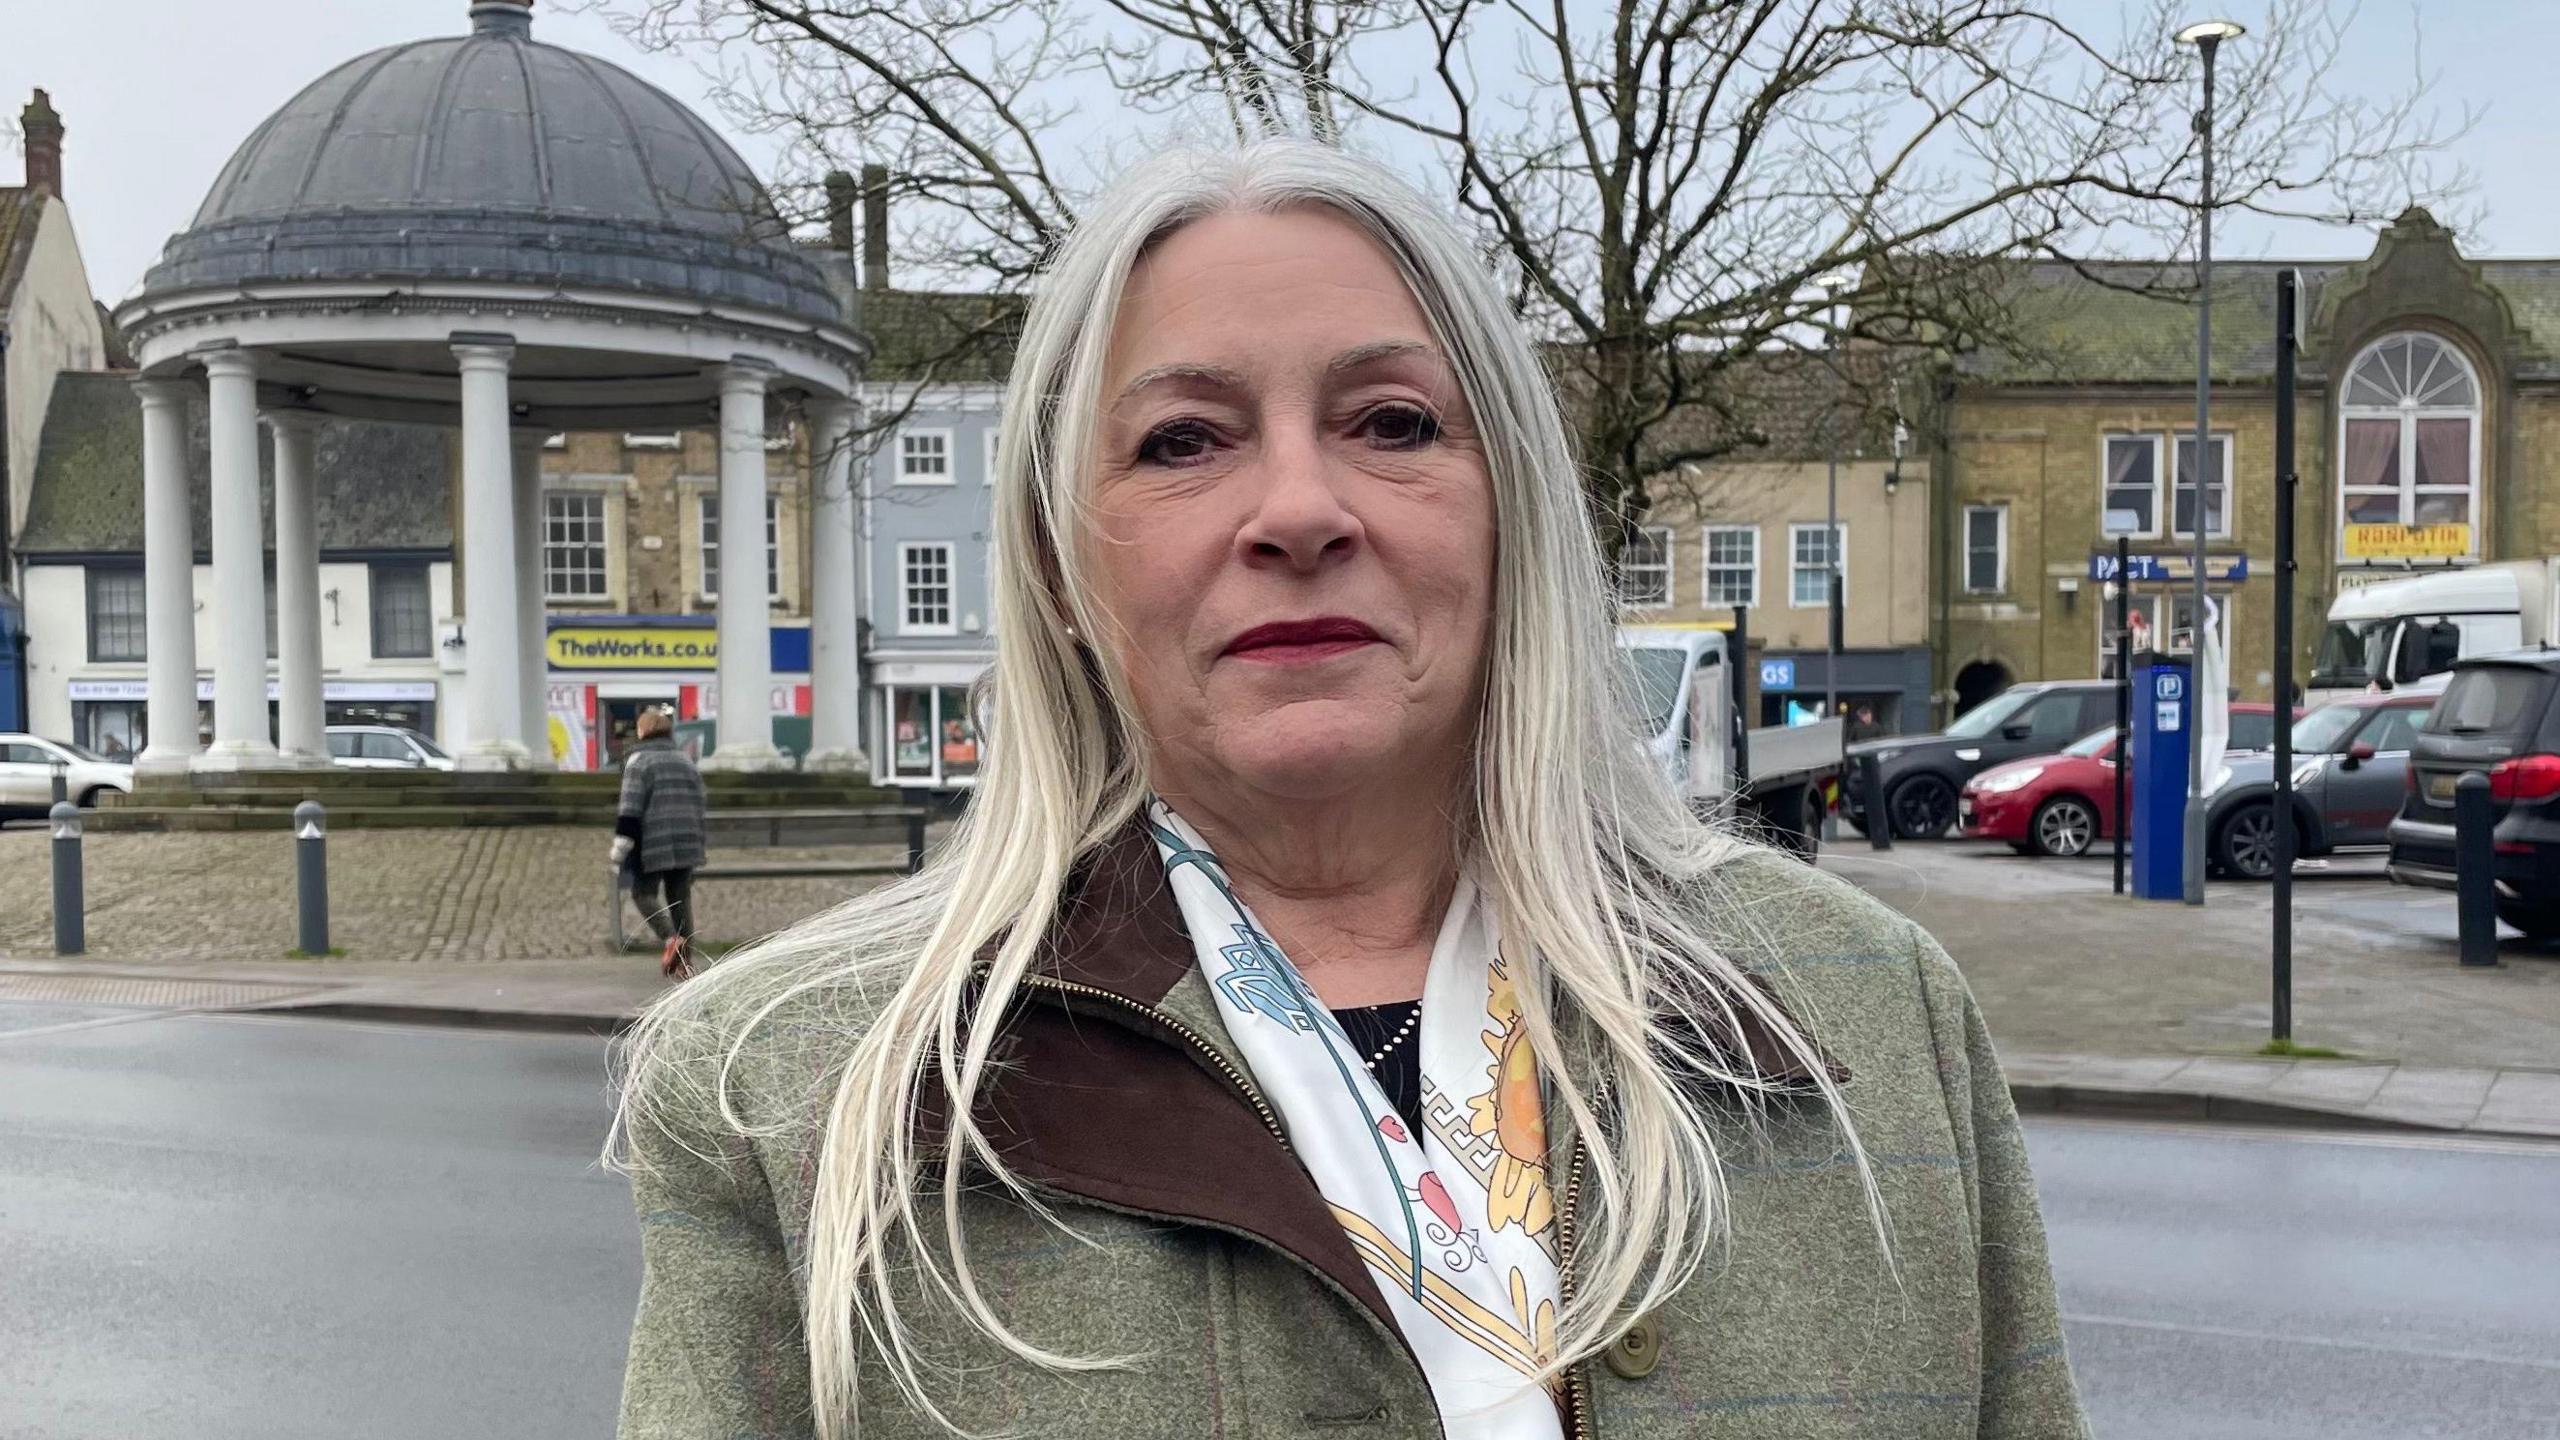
(1177, 442)
(1401, 427)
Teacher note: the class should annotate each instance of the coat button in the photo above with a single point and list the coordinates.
(1638, 1351)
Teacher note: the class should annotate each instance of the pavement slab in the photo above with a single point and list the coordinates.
(2061, 965)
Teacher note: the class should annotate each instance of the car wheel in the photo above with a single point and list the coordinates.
(89, 797)
(2063, 826)
(1922, 807)
(2246, 844)
(2538, 922)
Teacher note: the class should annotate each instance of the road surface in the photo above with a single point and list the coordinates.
(226, 1226)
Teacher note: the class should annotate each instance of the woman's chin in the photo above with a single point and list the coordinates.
(1332, 761)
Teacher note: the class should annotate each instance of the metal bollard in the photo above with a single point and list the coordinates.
(915, 842)
(70, 926)
(1871, 785)
(2474, 866)
(61, 782)
(311, 875)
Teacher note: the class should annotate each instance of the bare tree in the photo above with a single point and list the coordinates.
(1666, 184)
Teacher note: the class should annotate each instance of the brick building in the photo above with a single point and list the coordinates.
(2427, 433)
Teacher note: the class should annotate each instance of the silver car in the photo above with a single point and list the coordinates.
(384, 747)
(2350, 770)
(27, 764)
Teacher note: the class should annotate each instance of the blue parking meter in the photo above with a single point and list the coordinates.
(2163, 729)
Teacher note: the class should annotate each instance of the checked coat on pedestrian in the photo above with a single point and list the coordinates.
(1195, 1242)
(662, 792)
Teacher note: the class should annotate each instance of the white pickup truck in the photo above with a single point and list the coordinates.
(1685, 690)
(2396, 632)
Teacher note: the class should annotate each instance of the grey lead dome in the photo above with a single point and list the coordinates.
(493, 156)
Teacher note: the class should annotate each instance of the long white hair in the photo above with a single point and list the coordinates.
(1601, 877)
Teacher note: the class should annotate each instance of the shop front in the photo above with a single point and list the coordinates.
(606, 671)
(930, 729)
(1882, 692)
(110, 715)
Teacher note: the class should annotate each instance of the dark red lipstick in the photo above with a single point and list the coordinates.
(1290, 641)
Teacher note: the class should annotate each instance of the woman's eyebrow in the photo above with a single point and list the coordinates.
(1203, 376)
(1216, 377)
(1376, 350)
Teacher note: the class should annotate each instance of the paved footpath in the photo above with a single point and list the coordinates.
(2104, 1003)
(2099, 1004)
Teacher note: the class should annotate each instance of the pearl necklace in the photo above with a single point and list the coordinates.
(1381, 1053)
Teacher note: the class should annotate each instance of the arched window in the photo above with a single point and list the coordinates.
(2409, 453)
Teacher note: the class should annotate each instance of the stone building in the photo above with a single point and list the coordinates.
(2427, 433)
(1748, 528)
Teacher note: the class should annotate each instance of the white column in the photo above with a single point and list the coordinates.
(301, 718)
(240, 737)
(168, 577)
(529, 604)
(491, 633)
(746, 625)
(835, 664)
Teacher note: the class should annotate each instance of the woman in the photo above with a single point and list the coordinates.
(662, 821)
(1122, 1119)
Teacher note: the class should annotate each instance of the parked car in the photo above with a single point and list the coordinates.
(2349, 760)
(1922, 774)
(2501, 715)
(2064, 803)
(384, 747)
(26, 775)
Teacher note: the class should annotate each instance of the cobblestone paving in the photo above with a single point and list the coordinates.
(448, 895)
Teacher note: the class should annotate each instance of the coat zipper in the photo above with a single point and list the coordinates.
(1578, 1425)
(1577, 1382)
(1235, 1078)
(1245, 1090)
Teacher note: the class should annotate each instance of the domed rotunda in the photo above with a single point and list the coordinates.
(491, 232)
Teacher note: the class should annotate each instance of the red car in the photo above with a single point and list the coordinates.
(2063, 804)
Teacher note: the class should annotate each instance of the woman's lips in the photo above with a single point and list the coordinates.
(1298, 642)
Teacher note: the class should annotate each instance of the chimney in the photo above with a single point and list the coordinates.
(875, 227)
(43, 129)
(840, 192)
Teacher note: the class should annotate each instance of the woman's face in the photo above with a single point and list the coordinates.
(1295, 528)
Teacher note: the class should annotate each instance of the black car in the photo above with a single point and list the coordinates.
(2500, 715)
(1922, 773)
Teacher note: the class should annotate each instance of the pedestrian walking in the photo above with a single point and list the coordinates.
(659, 835)
(1323, 1020)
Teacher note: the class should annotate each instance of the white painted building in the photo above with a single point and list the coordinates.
(48, 324)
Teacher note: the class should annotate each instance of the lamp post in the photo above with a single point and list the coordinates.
(1832, 285)
(2207, 36)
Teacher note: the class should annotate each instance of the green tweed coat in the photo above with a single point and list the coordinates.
(1203, 1251)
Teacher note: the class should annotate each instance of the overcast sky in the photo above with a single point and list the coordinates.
(155, 95)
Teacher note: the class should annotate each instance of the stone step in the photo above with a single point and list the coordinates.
(338, 797)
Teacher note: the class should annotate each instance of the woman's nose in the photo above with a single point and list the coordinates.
(1300, 520)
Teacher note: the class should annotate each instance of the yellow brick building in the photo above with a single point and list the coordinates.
(2427, 430)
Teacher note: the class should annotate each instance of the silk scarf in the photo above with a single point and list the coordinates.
(1456, 1225)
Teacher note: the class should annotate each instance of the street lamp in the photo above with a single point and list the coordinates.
(1832, 284)
(2207, 36)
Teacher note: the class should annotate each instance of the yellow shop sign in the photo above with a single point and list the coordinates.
(632, 647)
(2406, 542)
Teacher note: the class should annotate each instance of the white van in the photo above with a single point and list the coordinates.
(1678, 679)
(2399, 631)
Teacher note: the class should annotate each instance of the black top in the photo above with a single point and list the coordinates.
(1400, 1074)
